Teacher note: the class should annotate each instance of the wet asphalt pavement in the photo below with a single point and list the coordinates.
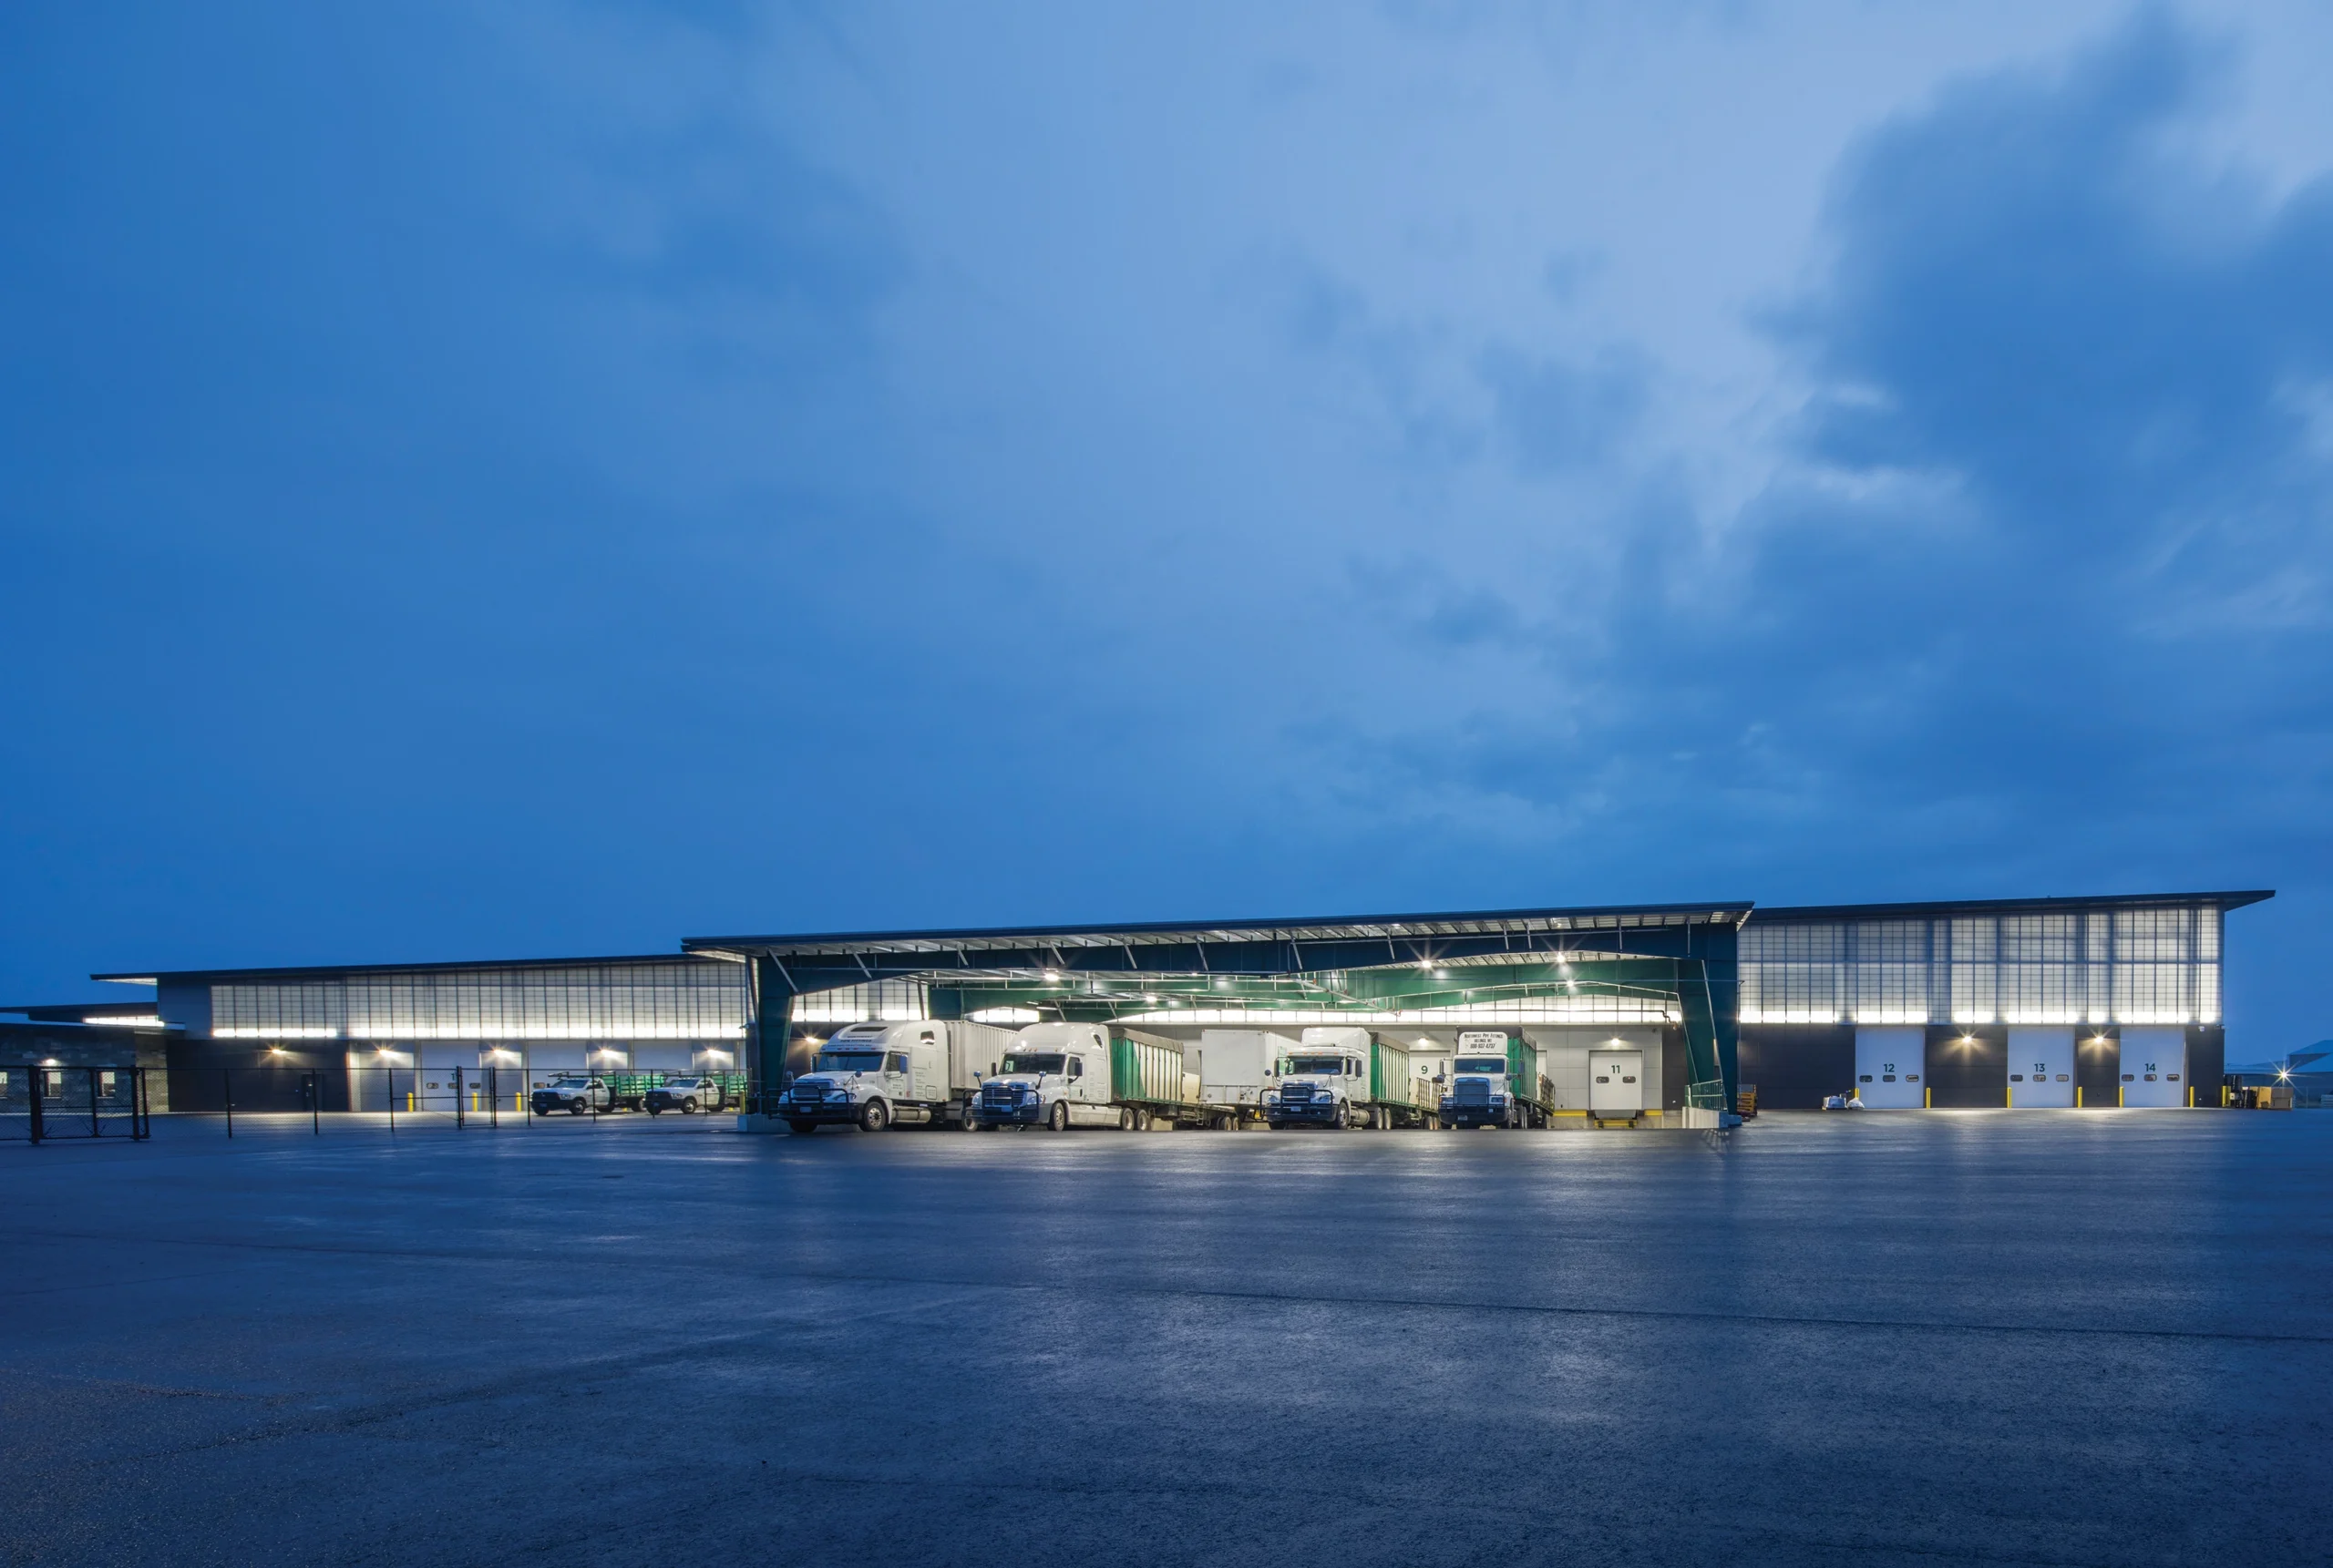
(1917, 1339)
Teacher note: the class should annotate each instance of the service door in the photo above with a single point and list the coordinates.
(2154, 1066)
(1890, 1064)
(2042, 1068)
(1615, 1083)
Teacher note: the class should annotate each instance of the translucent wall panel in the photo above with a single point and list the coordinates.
(889, 1001)
(680, 1000)
(2144, 965)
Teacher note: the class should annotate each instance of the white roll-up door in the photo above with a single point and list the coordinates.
(2042, 1068)
(2154, 1066)
(1891, 1065)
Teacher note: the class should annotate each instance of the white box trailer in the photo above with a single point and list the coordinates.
(1238, 1066)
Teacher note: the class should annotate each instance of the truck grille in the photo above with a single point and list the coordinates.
(1296, 1094)
(1472, 1091)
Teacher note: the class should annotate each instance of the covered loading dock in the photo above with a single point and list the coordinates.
(1645, 977)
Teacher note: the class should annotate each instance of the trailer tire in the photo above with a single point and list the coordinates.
(874, 1117)
(1057, 1119)
(1126, 1119)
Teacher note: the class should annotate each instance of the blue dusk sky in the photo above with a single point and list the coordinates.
(480, 481)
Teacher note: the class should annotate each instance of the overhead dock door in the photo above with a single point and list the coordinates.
(2154, 1066)
(2042, 1068)
(1890, 1064)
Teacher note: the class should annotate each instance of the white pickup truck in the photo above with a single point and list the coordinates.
(575, 1093)
(877, 1075)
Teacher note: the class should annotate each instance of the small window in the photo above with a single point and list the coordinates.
(897, 1061)
(2172, 1077)
(1077, 1066)
(2150, 1078)
(1627, 1081)
(2016, 1077)
(1603, 1080)
(1866, 1079)
(2061, 1078)
(1911, 1078)
(2128, 1078)
(1886, 1078)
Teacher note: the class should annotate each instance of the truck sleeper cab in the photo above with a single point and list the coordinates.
(877, 1075)
(1056, 1075)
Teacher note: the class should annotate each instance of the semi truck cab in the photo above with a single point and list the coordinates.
(1483, 1091)
(1055, 1075)
(1322, 1084)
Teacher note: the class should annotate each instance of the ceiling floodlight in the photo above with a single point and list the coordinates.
(1052, 974)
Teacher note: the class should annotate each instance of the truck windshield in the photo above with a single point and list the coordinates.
(1332, 1065)
(1482, 1064)
(565, 1083)
(1034, 1062)
(680, 1083)
(851, 1061)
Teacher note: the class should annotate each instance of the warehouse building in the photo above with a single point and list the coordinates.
(2048, 1003)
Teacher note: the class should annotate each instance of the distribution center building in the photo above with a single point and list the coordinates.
(2038, 1002)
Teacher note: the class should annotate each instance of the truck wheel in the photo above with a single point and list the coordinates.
(803, 1127)
(874, 1116)
(576, 1108)
(688, 1107)
(1058, 1117)
(1341, 1120)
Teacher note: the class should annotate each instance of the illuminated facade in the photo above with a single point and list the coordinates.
(1962, 1003)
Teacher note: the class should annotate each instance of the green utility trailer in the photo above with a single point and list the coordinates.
(629, 1090)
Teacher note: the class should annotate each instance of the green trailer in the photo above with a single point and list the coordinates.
(1150, 1080)
(1393, 1086)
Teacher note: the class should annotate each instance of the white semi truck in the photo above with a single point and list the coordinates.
(1344, 1077)
(879, 1075)
(1494, 1081)
(1064, 1075)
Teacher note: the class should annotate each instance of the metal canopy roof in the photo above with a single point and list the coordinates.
(329, 972)
(2236, 900)
(1337, 929)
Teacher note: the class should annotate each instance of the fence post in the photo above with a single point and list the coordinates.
(316, 1103)
(227, 1083)
(393, 1097)
(38, 1072)
(459, 1122)
(95, 1130)
(494, 1097)
(137, 1104)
